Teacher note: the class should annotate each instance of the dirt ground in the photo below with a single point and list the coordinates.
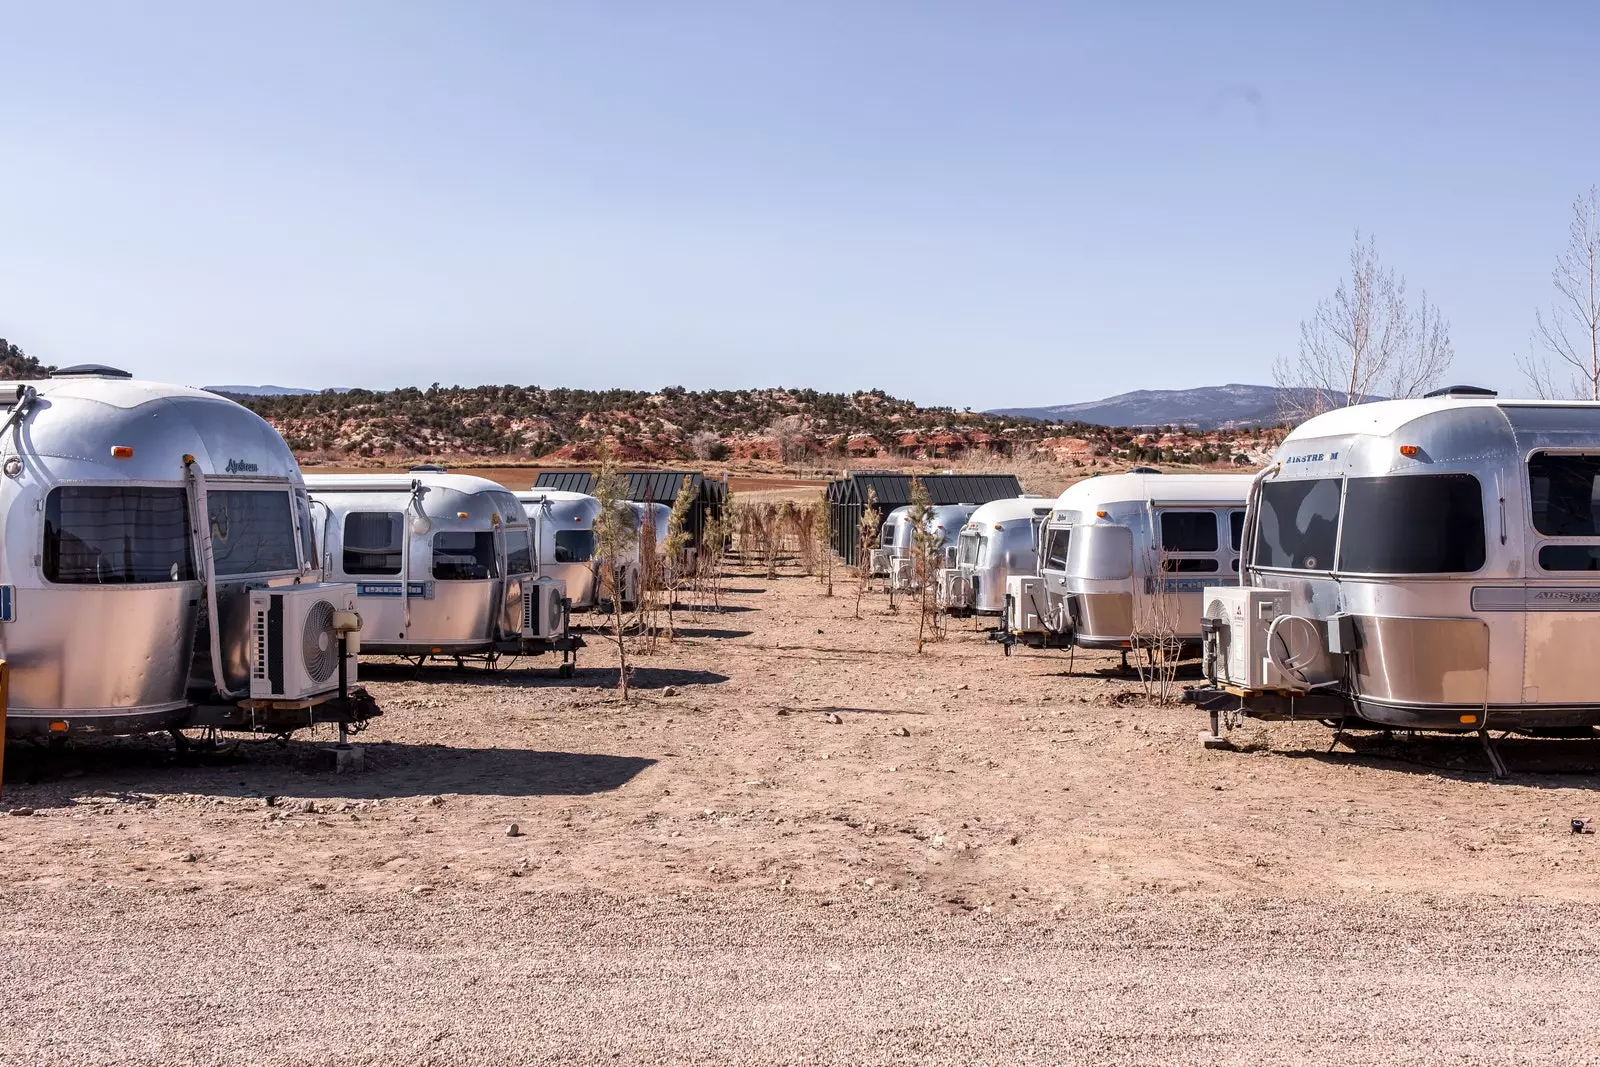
(983, 860)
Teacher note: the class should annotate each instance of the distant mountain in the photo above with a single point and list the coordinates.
(260, 390)
(1209, 408)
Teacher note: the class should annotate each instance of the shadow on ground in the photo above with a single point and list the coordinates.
(122, 767)
(1531, 761)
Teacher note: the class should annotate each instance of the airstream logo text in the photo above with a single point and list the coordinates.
(1312, 457)
(239, 466)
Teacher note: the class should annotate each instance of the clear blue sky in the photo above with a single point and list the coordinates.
(966, 203)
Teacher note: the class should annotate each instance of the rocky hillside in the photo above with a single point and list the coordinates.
(15, 363)
(669, 425)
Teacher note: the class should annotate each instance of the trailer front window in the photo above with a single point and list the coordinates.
(968, 548)
(1299, 524)
(1413, 524)
(117, 535)
(1056, 541)
(519, 552)
(574, 546)
(373, 542)
(252, 531)
(464, 556)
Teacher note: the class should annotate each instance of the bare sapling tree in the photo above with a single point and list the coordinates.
(822, 537)
(650, 582)
(614, 538)
(1365, 341)
(866, 541)
(925, 554)
(1566, 339)
(676, 549)
(1157, 647)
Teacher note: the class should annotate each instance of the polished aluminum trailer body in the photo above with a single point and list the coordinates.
(563, 534)
(115, 493)
(439, 560)
(999, 539)
(1445, 556)
(1126, 556)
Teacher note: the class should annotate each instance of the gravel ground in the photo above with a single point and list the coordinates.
(984, 860)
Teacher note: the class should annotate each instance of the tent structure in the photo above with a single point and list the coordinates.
(847, 497)
(654, 487)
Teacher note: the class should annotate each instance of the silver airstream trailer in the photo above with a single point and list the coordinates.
(1424, 564)
(999, 540)
(158, 566)
(899, 535)
(563, 538)
(443, 566)
(1124, 558)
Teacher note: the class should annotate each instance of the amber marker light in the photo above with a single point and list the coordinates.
(58, 726)
(461, 514)
(121, 452)
(1101, 514)
(1469, 719)
(1408, 450)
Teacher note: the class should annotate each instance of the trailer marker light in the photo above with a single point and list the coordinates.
(58, 726)
(1101, 514)
(1408, 450)
(461, 514)
(1469, 719)
(121, 452)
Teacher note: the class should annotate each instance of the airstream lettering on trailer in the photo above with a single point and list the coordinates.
(1126, 556)
(443, 565)
(155, 539)
(999, 540)
(1428, 564)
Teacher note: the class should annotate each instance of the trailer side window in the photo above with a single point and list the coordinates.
(464, 556)
(1565, 492)
(1188, 531)
(1299, 524)
(1235, 530)
(252, 531)
(519, 552)
(574, 546)
(373, 542)
(116, 535)
(888, 535)
(1413, 524)
(1056, 541)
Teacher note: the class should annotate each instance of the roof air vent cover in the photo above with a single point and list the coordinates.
(1463, 390)
(425, 468)
(90, 370)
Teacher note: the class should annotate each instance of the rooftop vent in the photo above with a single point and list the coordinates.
(1143, 470)
(90, 370)
(425, 468)
(1463, 390)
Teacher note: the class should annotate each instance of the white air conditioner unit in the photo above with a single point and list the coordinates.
(1237, 618)
(954, 591)
(878, 562)
(542, 614)
(1029, 604)
(903, 573)
(294, 640)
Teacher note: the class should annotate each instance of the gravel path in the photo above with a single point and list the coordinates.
(801, 843)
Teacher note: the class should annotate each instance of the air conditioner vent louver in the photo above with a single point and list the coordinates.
(320, 647)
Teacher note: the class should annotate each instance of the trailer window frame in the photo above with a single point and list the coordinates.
(1047, 560)
(1544, 545)
(1458, 550)
(50, 557)
(398, 520)
(226, 567)
(1258, 541)
(484, 555)
(520, 561)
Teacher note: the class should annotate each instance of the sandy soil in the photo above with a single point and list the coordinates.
(984, 860)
